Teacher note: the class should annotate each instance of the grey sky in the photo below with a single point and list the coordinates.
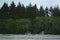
(44, 3)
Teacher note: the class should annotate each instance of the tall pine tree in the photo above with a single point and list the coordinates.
(4, 11)
(46, 11)
(12, 10)
(18, 11)
(41, 11)
(56, 11)
(23, 11)
(51, 10)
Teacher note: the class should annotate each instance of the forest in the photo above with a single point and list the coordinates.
(20, 19)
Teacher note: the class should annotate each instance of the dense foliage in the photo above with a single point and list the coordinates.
(29, 19)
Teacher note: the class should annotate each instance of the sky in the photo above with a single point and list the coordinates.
(39, 3)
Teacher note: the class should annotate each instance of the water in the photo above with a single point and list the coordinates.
(29, 37)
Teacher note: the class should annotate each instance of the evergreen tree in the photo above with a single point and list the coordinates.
(18, 11)
(29, 11)
(23, 11)
(46, 11)
(4, 11)
(41, 11)
(56, 11)
(12, 10)
(51, 10)
(35, 11)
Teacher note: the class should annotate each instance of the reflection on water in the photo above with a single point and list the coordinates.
(29, 37)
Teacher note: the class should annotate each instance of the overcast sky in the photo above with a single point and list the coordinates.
(44, 3)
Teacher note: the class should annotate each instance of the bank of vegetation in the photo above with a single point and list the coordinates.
(20, 19)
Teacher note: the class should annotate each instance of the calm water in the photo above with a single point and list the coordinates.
(29, 37)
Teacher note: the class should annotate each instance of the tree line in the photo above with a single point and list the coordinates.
(26, 12)
(20, 19)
